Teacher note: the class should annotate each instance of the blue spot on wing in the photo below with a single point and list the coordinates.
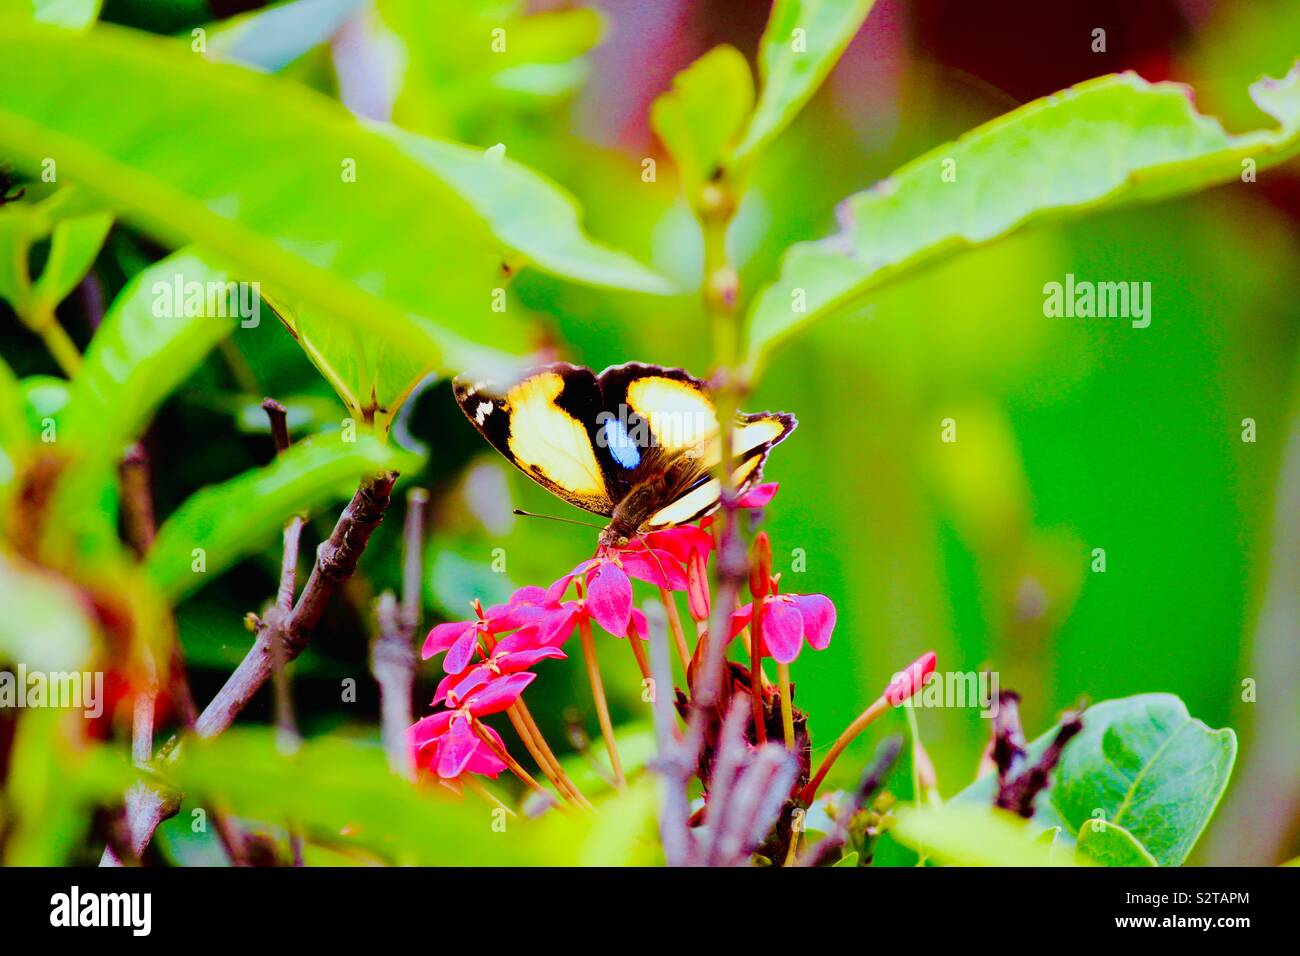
(620, 444)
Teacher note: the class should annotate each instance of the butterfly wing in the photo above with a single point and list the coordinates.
(545, 425)
(676, 412)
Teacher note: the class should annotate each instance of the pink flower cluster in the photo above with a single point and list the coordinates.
(489, 657)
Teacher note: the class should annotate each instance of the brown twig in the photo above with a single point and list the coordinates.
(336, 560)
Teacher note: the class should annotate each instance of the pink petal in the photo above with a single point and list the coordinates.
(529, 594)
(655, 567)
(458, 746)
(782, 630)
(521, 660)
(444, 636)
(499, 694)
(609, 598)
(758, 496)
(461, 684)
(818, 618)
(681, 542)
(639, 624)
(740, 618)
(462, 652)
(428, 728)
(558, 625)
(484, 761)
(523, 640)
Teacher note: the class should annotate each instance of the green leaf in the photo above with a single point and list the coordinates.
(1104, 143)
(327, 213)
(699, 119)
(157, 331)
(967, 835)
(848, 859)
(529, 214)
(1149, 767)
(1140, 762)
(73, 247)
(1111, 845)
(232, 520)
(802, 42)
(342, 793)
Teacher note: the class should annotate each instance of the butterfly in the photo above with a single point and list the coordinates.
(636, 443)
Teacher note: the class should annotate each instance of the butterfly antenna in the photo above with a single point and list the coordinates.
(533, 514)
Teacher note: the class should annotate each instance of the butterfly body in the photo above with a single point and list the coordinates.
(637, 443)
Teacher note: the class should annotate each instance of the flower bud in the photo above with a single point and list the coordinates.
(697, 587)
(909, 682)
(760, 571)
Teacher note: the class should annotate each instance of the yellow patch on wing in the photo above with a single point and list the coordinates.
(545, 438)
(703, 498)
(680, 416)
(751, 435)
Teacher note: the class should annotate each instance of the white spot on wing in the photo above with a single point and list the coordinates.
(484, 409)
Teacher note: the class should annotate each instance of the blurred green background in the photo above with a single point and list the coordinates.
(1073, 434)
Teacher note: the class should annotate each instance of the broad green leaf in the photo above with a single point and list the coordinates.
(230, 521)
(341, 792)
(1105, 143)
(849, 859)
(1145, 764)
(45, 625)
(699, 119)
(68, 217)
(1111, 845)
(318, 208)
(1150, 768)
(967, 835)
(531, 215)
(14, 436)
(272, 38)
(43, 397)
(802, 42)
(157, 331)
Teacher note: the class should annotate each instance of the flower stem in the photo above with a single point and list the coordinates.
(515, 767)
(639, 653)
(756, 672)
(675, 625)
(787, 707)
(598, 696)
(850, 733)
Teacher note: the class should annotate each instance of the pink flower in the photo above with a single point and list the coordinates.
(460, 638)
(789, 620)
(608, 599)
(760, 496)
(518, 652)
(909, 682)
(456, 747)
(680, 542)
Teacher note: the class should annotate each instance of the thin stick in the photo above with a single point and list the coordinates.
(787, 706)
(598, 696)
(530, 743)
